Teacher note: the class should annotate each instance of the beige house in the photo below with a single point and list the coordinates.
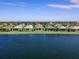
(19, 27)
(28, 27)
(76, 28)
(39, 27)
(8, 27)
(63, 28)
(49, 27)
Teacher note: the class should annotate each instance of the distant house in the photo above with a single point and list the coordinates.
(71, 28)
(74, 28)
(49, 27)
(39, 27)
(62, 28)
(28, 27)
(8, 27)
(19, 27)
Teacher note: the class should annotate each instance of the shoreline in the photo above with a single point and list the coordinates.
(38, 32)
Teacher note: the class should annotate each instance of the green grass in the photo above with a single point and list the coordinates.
(38, 32)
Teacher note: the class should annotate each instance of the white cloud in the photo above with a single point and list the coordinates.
(74, 1)
(17, 4)
(58, 6)
(74, 4)
(63, 6)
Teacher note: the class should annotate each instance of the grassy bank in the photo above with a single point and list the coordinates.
(38, 32)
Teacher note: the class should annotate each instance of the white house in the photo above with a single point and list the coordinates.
(39, 27)
(28, 27)
(19, 27)
(62, 28)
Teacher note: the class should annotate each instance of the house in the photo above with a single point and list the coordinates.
(74, 28)
(19, 27)
(49, 27)
(39, 27)
(63, 28)
(28, 27)
(7, 28)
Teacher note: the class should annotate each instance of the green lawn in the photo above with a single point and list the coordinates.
(38, 32)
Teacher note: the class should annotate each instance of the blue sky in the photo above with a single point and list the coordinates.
(39, 10)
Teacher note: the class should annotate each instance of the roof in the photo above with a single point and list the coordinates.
(49, 26)
(28, 27)
(62, 27)
(7, 27)
(74, 27)
(39, 26)
(19, 26)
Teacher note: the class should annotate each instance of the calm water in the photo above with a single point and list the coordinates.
(39, 46)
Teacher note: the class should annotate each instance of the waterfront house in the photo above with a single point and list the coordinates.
(19, 27)
(74, 28)
(62, 28)
(7, 28)
(39, 27)
(49, 27)
(28, 27)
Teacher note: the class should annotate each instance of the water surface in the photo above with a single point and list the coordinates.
(39, 46)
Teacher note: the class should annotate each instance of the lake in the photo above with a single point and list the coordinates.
(39, 46)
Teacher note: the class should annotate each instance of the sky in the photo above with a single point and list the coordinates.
(39, 10)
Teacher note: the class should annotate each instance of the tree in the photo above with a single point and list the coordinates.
(56, 25)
